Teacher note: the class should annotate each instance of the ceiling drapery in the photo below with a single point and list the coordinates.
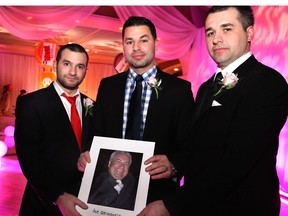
(176, 34)
(36, 22)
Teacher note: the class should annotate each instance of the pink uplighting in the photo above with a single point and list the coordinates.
(9, 131)
(9, 141)
(3, 149)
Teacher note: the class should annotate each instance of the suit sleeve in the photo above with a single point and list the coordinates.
(30, 144)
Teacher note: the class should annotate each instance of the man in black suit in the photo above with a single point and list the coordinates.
(234, 143)
(166, 107)
(116, 187)
(46, 145)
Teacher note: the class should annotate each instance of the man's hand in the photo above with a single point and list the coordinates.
(156, 208)
(67, 204)
(160, 167)
(83, 160)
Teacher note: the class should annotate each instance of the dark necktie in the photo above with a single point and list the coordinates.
(216, 86)
(133, 127)
(75, 119)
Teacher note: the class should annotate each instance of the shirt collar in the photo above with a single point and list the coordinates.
(231, 67)
(60, 91)
(151, 72)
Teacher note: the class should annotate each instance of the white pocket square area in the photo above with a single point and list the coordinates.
(215, 103)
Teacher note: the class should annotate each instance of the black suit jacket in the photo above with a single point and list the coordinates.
(231, 167)
(167, 122)
(103, 193)
(47, 150)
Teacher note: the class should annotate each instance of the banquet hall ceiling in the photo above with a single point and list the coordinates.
(102, 40)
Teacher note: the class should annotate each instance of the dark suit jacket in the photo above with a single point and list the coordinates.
(47, 150)
(231, 167)
(103, 193)
(167, 121)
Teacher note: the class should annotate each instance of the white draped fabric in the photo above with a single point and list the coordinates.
(34, 23)
(179, 38)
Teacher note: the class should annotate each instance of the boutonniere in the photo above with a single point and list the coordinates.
(88, 105)
(229, 81)
(155, 84)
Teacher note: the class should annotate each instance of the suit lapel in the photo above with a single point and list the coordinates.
(59, 112)
(155, 102)
(119, 98)
(206, 97)
(57, 107)
(85, 122)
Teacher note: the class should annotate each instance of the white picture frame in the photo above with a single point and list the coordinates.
(100, 149)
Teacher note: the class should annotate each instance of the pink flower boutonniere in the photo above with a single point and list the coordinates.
(155, 84)
(229, 81)
(88, 105)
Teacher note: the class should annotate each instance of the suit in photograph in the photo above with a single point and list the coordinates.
(233, 149)
(167, 122)
(103, 191)
(47, 150)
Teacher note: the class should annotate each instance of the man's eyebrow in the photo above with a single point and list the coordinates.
(141, 37)
(226, 25)
(208, 29)
(82, 64)
(222, 26)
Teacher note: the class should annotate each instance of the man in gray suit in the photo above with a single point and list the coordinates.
(46, 145)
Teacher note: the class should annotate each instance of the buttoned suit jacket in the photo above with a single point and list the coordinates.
(47, 150)
(167, 122)
(232, 161)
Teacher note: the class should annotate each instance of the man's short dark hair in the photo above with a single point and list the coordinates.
(246, 17)
(139, 21)
(72, 47)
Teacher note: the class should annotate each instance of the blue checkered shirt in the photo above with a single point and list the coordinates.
(146, 95)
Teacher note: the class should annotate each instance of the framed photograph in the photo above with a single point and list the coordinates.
(115, 182)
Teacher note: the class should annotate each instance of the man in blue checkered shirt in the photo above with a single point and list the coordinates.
(166, 108)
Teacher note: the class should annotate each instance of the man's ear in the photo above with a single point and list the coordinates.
(156, 44)
(55, 66)
(250, 33)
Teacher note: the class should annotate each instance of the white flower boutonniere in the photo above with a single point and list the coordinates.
(88, 105)
(229, 81)
(155, 84)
